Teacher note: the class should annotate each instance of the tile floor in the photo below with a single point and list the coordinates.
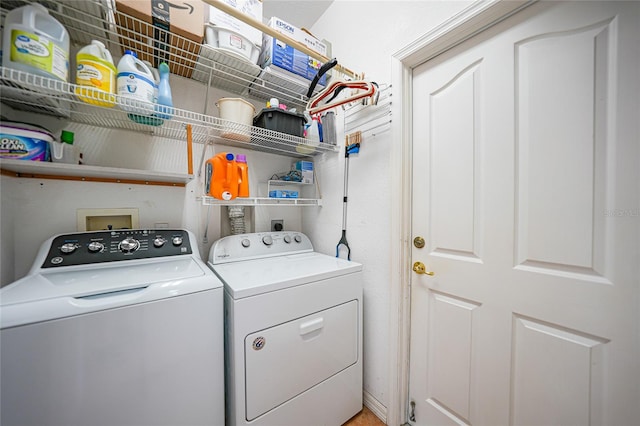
(364, 418)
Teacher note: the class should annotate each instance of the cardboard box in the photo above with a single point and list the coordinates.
(162, 31)
(279, 54)
(251, 8)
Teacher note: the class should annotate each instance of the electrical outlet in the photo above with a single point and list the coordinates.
(277, 225)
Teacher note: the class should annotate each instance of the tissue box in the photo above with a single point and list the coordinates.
(306, 169)
(283, 194)
(279, 54)
(172, 34)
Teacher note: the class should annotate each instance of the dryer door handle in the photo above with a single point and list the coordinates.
(311, 326)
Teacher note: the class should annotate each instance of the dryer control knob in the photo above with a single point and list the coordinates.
(67, 248)
(129, 245)
(298, 238)
(95, 247)
(267, 240)
(287, 239)
(176, 240)
(159, 242)
(246, 242)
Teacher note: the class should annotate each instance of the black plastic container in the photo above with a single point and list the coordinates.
(291, 123)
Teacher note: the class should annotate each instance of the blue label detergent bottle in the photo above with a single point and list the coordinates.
(135, 85)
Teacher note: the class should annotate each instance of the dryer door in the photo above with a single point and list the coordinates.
(284, 361)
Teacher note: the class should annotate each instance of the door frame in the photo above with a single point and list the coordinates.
(472, 20)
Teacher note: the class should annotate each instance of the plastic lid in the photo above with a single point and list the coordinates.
(67, 137)
(241, 158)
(98, 43)
(230, 156)
(131, 52)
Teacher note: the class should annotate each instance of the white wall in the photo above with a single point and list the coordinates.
(364, 35)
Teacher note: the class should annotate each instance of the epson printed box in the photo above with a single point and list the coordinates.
(278, 54)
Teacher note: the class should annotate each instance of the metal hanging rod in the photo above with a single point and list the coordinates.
(221, 5)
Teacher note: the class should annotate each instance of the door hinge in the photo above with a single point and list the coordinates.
(412, 411)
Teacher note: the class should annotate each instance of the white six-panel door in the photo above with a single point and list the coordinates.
(526, 189)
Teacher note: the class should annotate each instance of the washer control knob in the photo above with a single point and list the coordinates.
(246, 242)
(159, 242)
(287, 239)
(95, 247)
(298, 238)
(68, 248)
(267, 240)
(177, 240)
(129, 245)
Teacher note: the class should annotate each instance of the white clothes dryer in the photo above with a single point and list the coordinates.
(113, 328)
(293, 331)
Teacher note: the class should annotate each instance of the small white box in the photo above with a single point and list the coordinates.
(251, 8)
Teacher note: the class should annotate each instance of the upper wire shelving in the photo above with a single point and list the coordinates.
(98, 19)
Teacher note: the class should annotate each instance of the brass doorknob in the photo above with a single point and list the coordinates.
(419, 268)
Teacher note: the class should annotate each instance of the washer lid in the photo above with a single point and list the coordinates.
(258, 276)
(82, 290)
(83, 282)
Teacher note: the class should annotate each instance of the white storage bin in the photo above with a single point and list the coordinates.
(232, 41)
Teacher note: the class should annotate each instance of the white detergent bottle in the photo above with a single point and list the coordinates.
(35, 42)
(136, 85)
(95, 75)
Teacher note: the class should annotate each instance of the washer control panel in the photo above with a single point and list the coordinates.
(260, 244)
(84, 248)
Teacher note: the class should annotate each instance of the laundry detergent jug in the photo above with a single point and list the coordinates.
(221, 177)
(35, 42)
(243, 175)
(95, 75)
(135, 85)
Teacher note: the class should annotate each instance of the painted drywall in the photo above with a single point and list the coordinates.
(364, 36)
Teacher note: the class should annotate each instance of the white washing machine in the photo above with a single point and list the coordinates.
(293, 331)
(113, 328)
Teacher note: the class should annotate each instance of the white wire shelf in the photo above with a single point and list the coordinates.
(263, 201)
(33, 93)
(99, 19)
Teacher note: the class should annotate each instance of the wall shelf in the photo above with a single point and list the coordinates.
(86, 173)
(28, 92)
(263, 201)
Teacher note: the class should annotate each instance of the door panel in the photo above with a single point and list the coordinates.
(527, 191)
(558, 229)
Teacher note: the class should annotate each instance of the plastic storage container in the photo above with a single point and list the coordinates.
(21, 141)
(232, 42)
(96, 75)
(291, 123)
(35, 42)
(240, 114)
